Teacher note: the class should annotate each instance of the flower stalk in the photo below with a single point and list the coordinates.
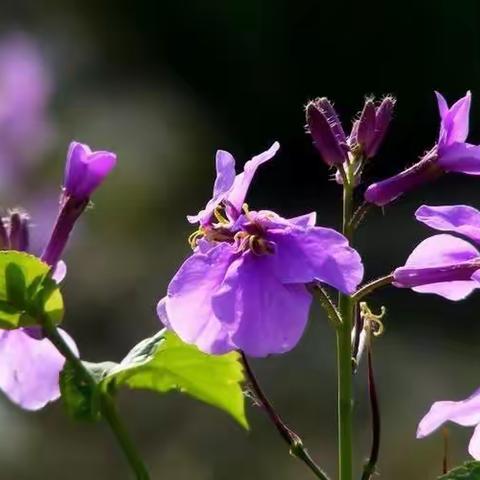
(291, 438)
(108, 409)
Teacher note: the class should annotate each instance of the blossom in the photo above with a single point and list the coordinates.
(85, 170)
(30, 364)
(30, 367)
(450, 154)
(244, 286)
(465, 412)
(444, 264)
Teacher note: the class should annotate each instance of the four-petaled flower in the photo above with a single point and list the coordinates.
(450, 154)
(244, 286)
(443, 264)
(465, 412)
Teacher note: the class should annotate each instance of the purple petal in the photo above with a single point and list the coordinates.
(304, 221)
(461, 219)
(442, 105)
(60, 272)
(29, 371)
(465, 412)
(225, 165)
(454, 123)
(474, 445)
(383, 119)
(85, 170)
(237, 195)
(461, 158)
(162, 312)
(366, 125)
(315, 253)
(444, 252)
(189, 300)
(270, 317)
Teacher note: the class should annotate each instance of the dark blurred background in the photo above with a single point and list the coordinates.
(166, 83)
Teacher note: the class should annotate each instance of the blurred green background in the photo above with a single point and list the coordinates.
(166, 83)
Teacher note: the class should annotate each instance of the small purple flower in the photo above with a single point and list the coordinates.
(443, 264)
(244, 286)
(86, 170)
(450, 154)
(30, 367)
(465, 412)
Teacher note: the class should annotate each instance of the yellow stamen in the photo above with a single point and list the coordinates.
(373, 322)
(219, 216)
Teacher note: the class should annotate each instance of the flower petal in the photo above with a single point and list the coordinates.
(225, 166)
(461, 158)
(303, 255)
(465, 412)
(270, 317)
(189, 300)
(237, 195)
(461, 219)
(30, 368)
(455, 123)
(441, 251)
(474, 445)
(442, 105)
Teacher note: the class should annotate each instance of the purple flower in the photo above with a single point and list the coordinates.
(86, 170)
(30, 367)
(465, 412)
(450, 154)
(443, 264)
(244, 286)
(25, 90)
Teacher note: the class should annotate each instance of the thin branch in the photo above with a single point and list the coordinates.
(372, 286)
(369, 468)
(291, 438)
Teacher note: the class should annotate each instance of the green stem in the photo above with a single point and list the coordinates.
(108, 409)
(344, 355)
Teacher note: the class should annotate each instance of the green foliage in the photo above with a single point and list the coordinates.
(81, 398)
(467, 471)
(161, 363)
(27, 293)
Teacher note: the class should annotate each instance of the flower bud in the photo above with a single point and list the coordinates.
(85, 170)
(326, 131)
(369, 130)
(18, 230)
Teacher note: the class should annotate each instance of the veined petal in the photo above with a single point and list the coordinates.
(303, 255)
(270, 317)
(465, 412)
(442, 260)
(237, 194)
(30, 368)
(461, 219)
(442, 105)
(189, 300)
(225, 166)
(461, 158)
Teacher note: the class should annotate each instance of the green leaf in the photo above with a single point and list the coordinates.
(467, 471)
(81, 398)
(163, 363)
(27, 293)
